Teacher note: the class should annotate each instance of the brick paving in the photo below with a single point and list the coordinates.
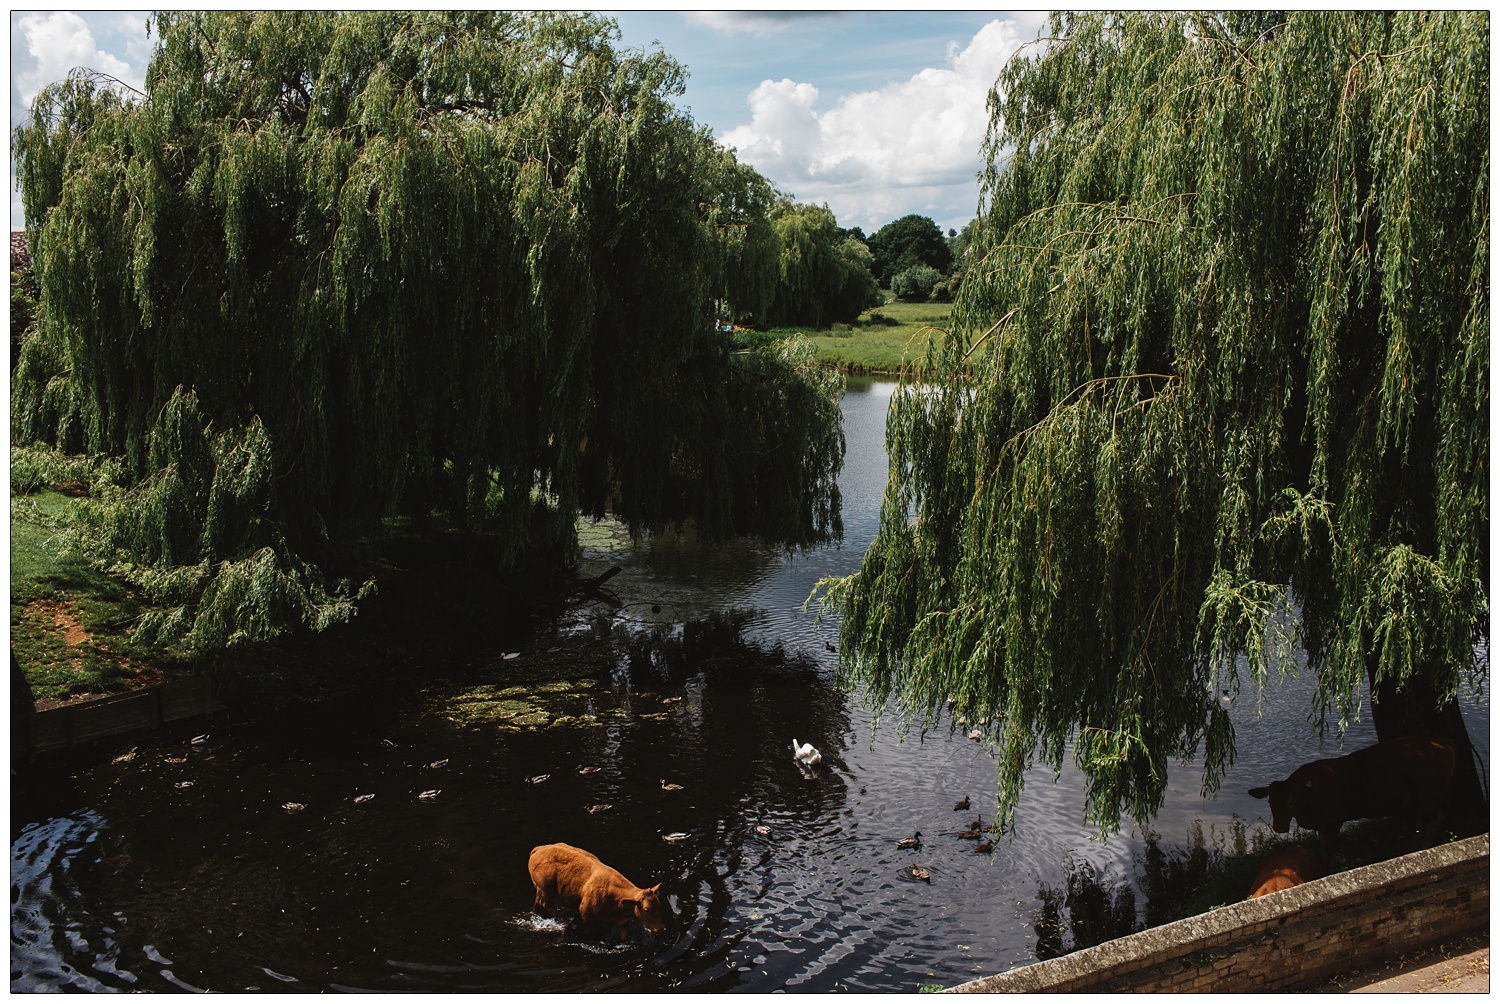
(1461, 966)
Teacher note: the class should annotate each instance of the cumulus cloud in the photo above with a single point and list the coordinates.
(913, 141)
(754, 22)
(46, 45)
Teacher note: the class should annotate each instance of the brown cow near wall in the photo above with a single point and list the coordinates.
(573, 878)
(1284, 867)
(1406, 777)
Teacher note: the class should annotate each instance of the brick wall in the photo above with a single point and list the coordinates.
(1291, 939)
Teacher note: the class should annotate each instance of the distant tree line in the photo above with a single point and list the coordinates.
(914, 260)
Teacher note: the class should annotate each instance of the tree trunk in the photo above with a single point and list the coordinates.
(1415, 710)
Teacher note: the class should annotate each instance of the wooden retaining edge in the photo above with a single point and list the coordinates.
(59, 728)
(1286, 940)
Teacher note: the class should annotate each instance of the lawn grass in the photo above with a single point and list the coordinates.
(70, 624)
(880, 341)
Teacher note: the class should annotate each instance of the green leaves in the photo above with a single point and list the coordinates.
(1211, 389)
(339, 269)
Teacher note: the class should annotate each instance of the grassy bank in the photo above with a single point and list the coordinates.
(882, 340)
(70, 625)
(437, 612)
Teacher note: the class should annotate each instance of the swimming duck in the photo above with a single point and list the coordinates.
(974, 830)
(183, 784)
(199, 740)
(674, 838)
(976, 734)
(362, 799)
(428, 796)
(669, 787)
(589, 770)
(538, 779)
(600, 808)
(984, 847)
(176, 759)
(293, 806)
(438, 763)
(921, 874)
(806, 754)
(913, 841)
(962, 806)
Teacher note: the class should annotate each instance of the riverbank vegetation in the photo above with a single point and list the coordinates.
(71, 625)
(333, 274)
(884, 340)
(1215, 391)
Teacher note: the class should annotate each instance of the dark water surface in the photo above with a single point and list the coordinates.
(783, 879)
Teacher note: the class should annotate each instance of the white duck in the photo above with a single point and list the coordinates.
(805, 754)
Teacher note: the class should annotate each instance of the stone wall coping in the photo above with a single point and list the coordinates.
(1206, 930)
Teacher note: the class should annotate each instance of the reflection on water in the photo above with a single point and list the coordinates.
(786, 879)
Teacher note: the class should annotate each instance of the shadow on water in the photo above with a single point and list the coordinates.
(1166, 883)
(192, 846)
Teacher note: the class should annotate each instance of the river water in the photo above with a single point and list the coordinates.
(180, 869)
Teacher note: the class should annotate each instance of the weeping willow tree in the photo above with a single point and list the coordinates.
(334, 269)
(823, 275)
(1217, 386)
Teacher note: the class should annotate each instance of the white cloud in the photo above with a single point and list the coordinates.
(44, 47)
(753, 22)
(911, 142)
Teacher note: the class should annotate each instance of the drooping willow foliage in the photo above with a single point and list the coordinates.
(1217, 383)
(332, 269)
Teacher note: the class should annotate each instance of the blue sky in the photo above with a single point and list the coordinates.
(877, 114)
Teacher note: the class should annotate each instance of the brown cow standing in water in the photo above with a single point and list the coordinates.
(1406, 777)
(1284, 867)
(567, 876)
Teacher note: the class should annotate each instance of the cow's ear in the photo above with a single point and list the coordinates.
(1261, 792)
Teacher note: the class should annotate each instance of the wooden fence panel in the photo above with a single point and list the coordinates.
(59, 728)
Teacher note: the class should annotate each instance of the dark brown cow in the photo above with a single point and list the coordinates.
(1284, 867)
(573, 878)
(1406, 777)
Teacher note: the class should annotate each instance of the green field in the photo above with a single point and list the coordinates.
(881, 340)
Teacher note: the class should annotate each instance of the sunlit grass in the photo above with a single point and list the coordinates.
(882, 340)
(70, 624)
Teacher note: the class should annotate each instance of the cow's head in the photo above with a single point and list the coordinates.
(648, 909)
(1282, 809)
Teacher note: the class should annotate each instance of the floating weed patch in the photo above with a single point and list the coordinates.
(514, 709)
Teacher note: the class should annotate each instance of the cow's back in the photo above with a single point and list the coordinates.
(563, 870)
(1407, 774)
